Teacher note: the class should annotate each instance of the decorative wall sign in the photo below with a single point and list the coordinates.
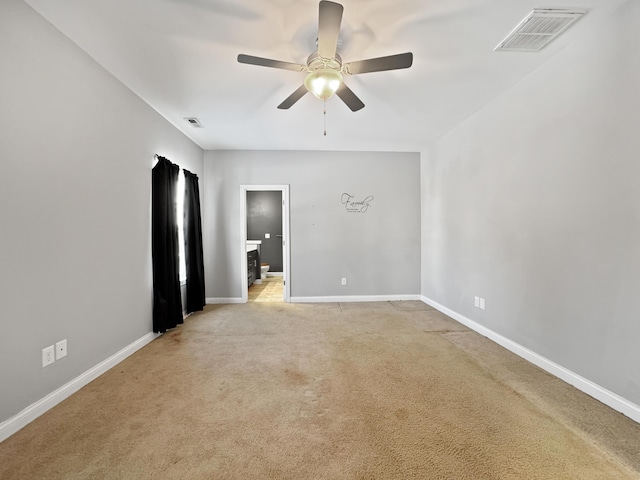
(353, 205)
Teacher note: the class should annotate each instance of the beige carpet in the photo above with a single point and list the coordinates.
(335, 391)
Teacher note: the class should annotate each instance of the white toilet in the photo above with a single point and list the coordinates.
(264, 268)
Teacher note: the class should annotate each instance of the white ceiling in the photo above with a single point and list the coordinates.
(180, 57)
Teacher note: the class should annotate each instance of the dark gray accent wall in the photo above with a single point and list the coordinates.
(75, 191)
(533, 203)
(377, 250)
(264, 216)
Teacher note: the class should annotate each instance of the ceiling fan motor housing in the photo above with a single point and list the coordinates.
(316, 62)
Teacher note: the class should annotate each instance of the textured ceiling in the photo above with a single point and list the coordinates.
(180, 57)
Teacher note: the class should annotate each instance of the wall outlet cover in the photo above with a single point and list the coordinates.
(476, 301)
(48, 356)
(482, 303)
(61, 349)
(343, 281)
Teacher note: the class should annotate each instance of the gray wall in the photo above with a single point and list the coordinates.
(534, 204)
(378, 251)
(75, 248)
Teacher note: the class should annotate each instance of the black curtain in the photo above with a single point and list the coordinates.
(193, 243)
(167, 302)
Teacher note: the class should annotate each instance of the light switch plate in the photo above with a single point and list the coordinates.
(482, 303)
(267, 235)
(476, 301)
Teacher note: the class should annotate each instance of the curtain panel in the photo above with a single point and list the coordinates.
(167, 302)
(193, 243)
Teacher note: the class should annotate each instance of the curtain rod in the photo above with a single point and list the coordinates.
(155, 155)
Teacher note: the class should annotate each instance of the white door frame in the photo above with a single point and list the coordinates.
(286, 252)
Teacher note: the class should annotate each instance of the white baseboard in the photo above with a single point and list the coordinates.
(33, 411)
(355, 298)
(216, 301)
(592, 389)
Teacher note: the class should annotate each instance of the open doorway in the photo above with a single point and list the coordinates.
(264, 214)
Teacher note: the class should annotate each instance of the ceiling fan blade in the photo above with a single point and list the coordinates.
(380, 64)
(329, 21)
(293, 98)
(349, 98)
(266, 62)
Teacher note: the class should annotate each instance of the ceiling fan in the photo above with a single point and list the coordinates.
(324, 68)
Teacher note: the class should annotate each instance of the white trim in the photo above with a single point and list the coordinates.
(219, 300)
(355, 298)
(33, 411)
(592, 389)
(286, 250)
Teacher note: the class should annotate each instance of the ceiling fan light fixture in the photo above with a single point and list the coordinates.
(323, 82)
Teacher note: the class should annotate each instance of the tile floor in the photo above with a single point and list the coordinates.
(270, 290)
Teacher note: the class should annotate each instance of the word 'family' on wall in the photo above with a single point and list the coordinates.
(356, 206)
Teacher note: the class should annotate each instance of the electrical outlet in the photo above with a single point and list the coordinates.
(343, 281)
(48, 356)
(61, 349)
(476, 301)
(482, 303)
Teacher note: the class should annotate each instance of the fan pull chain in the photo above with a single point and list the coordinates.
(325, 116)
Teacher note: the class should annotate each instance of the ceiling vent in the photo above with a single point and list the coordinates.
(538, 29)
(194, 122)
